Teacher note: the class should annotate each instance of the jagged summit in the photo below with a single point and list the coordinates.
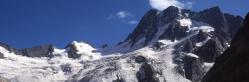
(153, 20)
(81, 46)
(176, 24)
(78, 49)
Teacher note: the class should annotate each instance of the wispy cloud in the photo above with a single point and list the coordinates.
(133, 22)
(123, 16)
(163, 4)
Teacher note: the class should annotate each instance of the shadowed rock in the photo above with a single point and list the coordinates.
(233, 64)
(1, 55)
(147, 73)
(38, 51)
(193, 68)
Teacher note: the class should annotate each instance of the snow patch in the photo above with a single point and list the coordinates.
(86, 51)
(166, 43)
(2, 49)
(192, 55)
(204, 28)
(208, 66)
(59, 51)
(185, 22)
(83, 47)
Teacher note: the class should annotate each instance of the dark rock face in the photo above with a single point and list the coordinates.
(39, 51)
(189, 66)
(188, 46)
(233, 64)
(201, 36)
(85, 79)
(212, 16)
(72, 51)
(146, 28)
(174, 32)
(1, 55)
(147, 73)
(193, 68)
(118, 79)
(66, 68)
(234, 22)
(140, 59)
(213, 47)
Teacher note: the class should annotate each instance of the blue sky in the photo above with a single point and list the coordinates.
(26, 23)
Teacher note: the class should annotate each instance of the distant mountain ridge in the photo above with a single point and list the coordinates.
(174, 45)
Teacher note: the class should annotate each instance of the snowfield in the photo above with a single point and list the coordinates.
(61, 68)
(119, 62)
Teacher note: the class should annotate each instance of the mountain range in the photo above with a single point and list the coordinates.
(173, 45)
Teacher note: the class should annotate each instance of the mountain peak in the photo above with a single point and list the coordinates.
(80, 47)
(215, 8)
(171, 9)
(154, 22)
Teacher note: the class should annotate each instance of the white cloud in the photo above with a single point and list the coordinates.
(163, 4)
(123, 16)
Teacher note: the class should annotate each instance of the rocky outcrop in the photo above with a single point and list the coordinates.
(72, 51)
(119, 79)
(193, 68)
(233, 64)
(147, 73)
(213, 47)
(66, 68)
(1, 55)
(38, 51)
(140, 59)
(82, 50)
